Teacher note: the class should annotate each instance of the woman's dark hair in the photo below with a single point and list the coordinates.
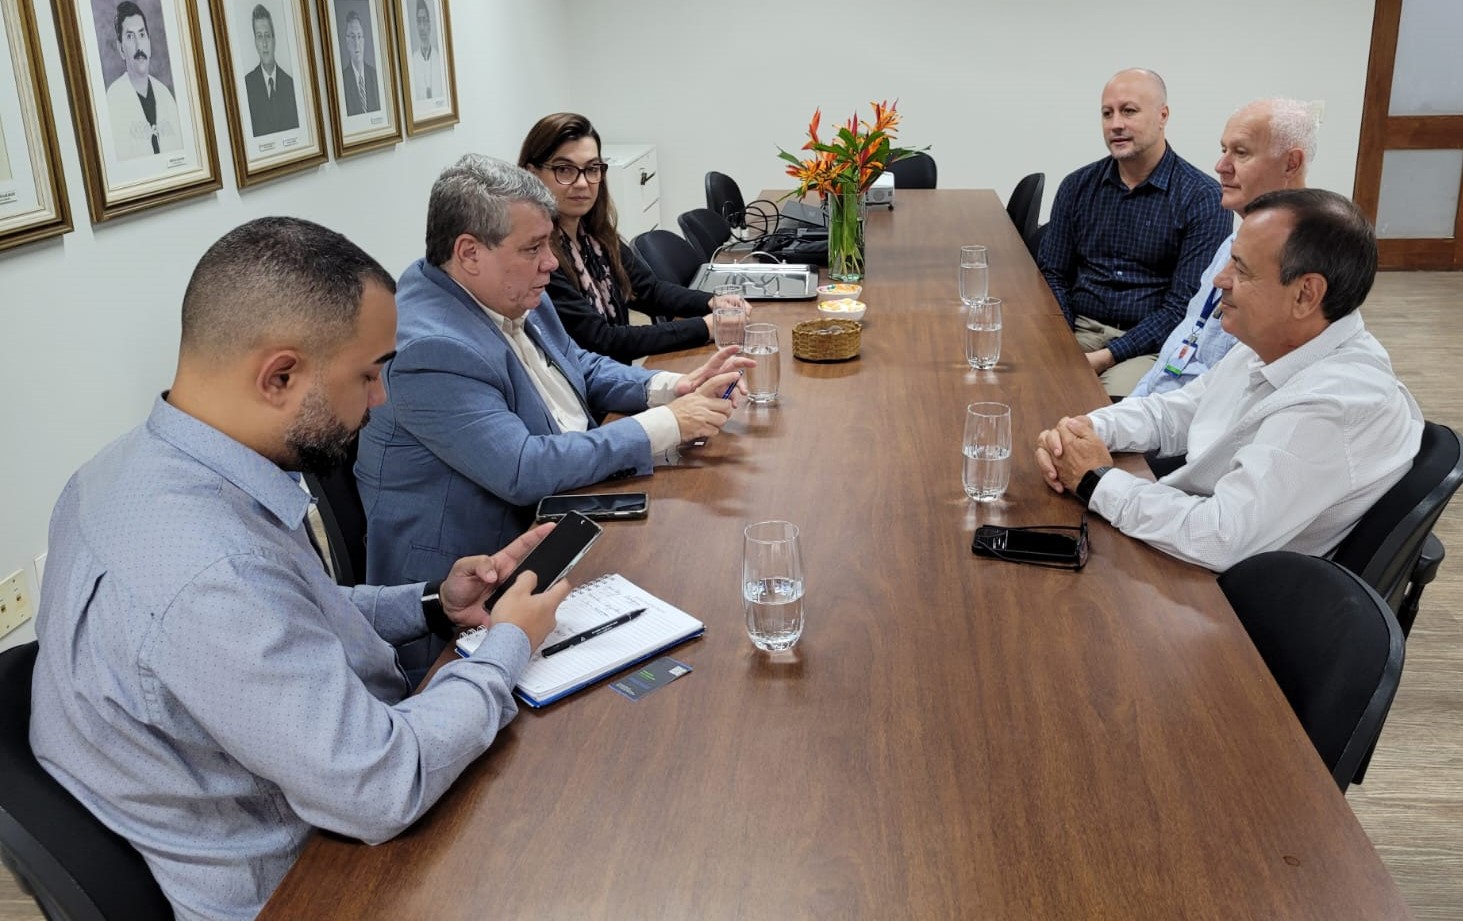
(543, 140)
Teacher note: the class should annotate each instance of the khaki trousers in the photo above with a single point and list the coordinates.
(1121, 378)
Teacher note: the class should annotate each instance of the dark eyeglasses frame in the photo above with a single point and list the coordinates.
(594, 173)
(1054, 562)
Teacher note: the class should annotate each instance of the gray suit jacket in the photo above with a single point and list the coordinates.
(464, 447)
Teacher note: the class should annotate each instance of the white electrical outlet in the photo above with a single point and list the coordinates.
(16, 606)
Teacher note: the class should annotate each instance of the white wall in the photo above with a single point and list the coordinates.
(90, 321)
(999, 89)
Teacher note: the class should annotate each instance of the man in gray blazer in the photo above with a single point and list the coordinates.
(490, 405)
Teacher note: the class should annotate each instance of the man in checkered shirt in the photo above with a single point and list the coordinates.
(1130, 235)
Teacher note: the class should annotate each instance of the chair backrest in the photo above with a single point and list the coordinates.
(724, 197)
(1035, 242)
(706, 230)
(1332, 644)
(1024, 207)
(339, 502)
(916, 171)
(1384, 545)
(74, 866)
(669, 257)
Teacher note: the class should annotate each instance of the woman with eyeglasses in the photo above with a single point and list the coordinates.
(600, 277)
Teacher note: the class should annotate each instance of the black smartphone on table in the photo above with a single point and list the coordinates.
(1062, 547)
(555, 555)
(598, 506)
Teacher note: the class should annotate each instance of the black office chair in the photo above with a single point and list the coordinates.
(916, 171)
(706, 230)
(1388, 542)
(1035, 242)
(669, 257)
(69, 862)
(344, 518)
(1332, 644)
(724, 197)
(1024, 208)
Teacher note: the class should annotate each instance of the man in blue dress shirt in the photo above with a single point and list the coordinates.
(203, 687)
(1266, 146)
(1130, 234)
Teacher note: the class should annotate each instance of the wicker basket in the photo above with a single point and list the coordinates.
(826, 340)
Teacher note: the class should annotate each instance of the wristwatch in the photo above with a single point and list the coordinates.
(437, 620)
(1088, 484)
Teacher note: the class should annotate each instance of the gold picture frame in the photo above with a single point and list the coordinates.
(138, 152)
(428, 69)
(33, 201)
(275, 121)
(360, 74)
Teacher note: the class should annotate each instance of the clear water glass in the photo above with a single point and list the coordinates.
(987, 451)
(729, 326)
(764, 377)
(983, 333)
(772, 584)
(975, 273)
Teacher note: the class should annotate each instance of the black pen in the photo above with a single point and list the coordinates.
(593, 632)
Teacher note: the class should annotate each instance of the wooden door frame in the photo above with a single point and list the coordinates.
(1381, 132)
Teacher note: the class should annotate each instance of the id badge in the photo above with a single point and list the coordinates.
(1180, 361)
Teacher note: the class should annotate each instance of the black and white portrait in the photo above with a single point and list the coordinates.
(427, 75)
(135, 65)
(268, 86)
(360, 85)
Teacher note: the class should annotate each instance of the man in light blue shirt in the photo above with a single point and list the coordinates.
(203, 687)
(1267, 145)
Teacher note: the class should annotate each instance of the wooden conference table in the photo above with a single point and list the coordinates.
(953, 737)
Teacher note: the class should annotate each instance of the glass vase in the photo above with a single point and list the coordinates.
(846, 235)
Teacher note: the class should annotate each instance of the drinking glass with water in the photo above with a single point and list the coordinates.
(975, 274)
(772, 584)
(983, 333)
(987, 451)
(729, 326)
(764, 377)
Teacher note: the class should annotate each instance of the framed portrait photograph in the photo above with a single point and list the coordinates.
(360, 74)
(424, 53)
(33, 203)
(139, 98)
(266, 55)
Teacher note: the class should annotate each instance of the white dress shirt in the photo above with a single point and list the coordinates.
(1281, 456)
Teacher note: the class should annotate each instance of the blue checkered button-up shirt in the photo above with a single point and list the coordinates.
(1132, 258)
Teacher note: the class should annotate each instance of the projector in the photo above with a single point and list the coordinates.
(882, 191)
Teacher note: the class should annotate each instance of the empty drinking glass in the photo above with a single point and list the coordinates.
(987, 451)
(729, 326)
(983, 333)
(974, 274)
(772, 584)
(764, 377)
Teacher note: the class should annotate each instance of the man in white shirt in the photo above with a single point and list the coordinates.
(1266, 145)
(143, 114)
(426, 61)
(1293, 436)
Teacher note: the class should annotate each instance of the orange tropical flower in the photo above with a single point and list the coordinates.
(859, 152)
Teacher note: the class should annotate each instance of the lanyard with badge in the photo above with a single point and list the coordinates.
(1185, 354)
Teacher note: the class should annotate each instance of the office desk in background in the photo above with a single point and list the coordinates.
(954, 737)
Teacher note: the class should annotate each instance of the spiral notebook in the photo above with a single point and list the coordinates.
(662, 626)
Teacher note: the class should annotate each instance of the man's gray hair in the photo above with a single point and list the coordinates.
(1293, 123)
(472, 196)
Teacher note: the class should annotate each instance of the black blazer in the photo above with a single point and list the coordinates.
(269, 114)
(620, 340)
(354, 104)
